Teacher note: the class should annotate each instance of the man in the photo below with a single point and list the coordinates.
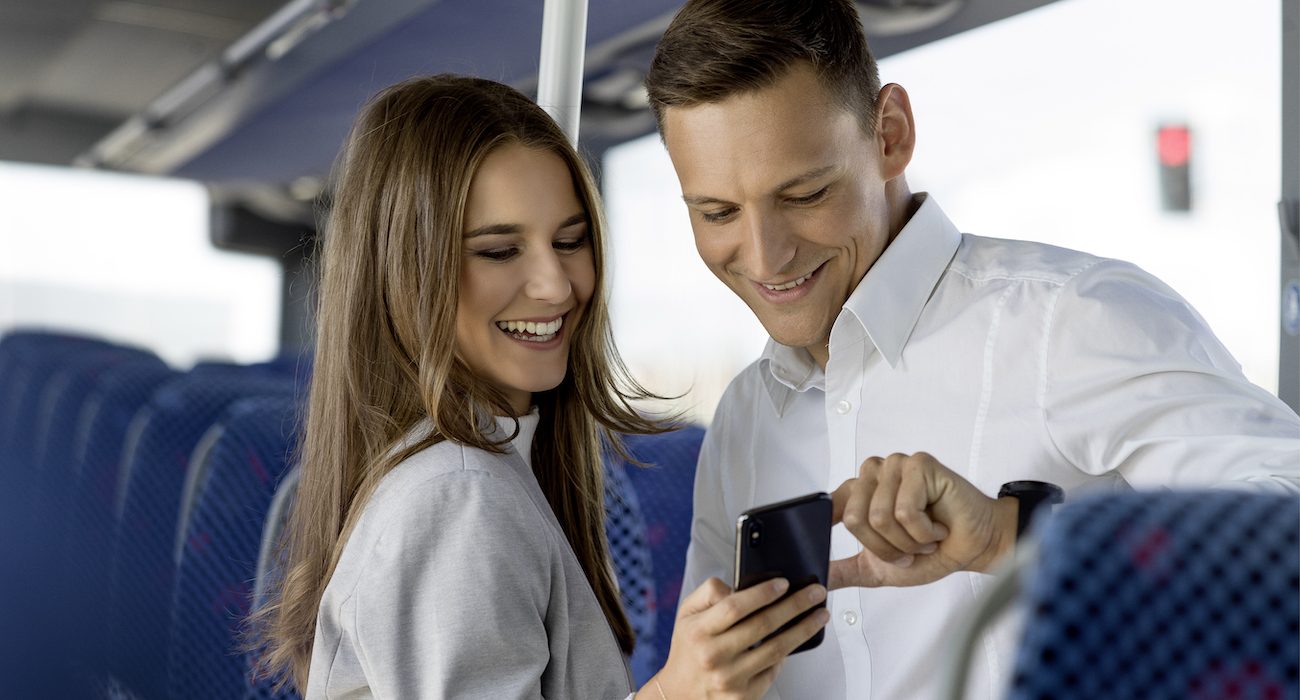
(912, 369)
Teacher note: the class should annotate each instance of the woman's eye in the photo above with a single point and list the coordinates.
(570, 245)
(716, 216)
(498, 254)
(809, 199)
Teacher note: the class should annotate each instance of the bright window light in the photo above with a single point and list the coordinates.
(127, 259)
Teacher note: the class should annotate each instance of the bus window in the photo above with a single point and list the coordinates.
(127, 258)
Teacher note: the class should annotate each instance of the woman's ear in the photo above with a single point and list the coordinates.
(895, 131)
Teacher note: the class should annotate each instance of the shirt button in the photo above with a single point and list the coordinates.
(843, 407)
(850, 617)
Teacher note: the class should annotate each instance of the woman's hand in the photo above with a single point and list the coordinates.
(711, 656)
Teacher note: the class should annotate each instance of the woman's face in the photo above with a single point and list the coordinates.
(526, 274)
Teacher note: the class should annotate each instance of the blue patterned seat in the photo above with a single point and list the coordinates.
(97, 452)
(45, 379)
(665, 490)
(1190, 595)
(218, 544)
(625, 530)
(649, 527)
(161, 441)
(1181, 595)
(259, 686)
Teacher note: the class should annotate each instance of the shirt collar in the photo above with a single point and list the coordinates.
(887, 302)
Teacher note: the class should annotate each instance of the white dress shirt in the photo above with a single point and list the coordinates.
(1006, 360)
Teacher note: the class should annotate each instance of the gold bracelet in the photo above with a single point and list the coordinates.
(660, 689)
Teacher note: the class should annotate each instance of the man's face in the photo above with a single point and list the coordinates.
(787, 200)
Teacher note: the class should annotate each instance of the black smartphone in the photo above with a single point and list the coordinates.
(790, 539)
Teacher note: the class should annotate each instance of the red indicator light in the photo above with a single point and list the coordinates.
(1174, 144)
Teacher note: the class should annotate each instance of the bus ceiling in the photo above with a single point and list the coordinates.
(274, 105)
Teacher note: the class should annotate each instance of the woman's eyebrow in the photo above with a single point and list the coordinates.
(494, 230)
(579, 218)
(503, 229)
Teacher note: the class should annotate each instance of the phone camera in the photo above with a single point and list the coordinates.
(755, 533)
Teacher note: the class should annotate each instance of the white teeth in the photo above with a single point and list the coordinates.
(539, 332)
(787, 285)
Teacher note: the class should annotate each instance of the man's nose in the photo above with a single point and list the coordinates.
(547, 280)
(769, 245)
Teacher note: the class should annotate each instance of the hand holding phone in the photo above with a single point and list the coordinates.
(791, 540)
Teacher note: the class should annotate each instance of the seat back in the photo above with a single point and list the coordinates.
(63, 402)
(218, 543)
(259, 687)
(665, 490)
(625, 531)
(161, 442)
(46, 379)
(1165, 595)
(97, 451)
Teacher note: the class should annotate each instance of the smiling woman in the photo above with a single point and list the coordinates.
(460, 207)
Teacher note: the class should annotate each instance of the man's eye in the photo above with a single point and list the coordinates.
(716, 216)
(498, 254)
(809, 199)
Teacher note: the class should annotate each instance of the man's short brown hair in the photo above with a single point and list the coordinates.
(714, 49)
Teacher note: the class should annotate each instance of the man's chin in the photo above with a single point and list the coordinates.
(794, 338)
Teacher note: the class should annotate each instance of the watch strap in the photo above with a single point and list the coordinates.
(1031, 496)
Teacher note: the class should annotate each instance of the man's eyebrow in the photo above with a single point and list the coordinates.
(800, 179)
(696, 200)
(503, 229)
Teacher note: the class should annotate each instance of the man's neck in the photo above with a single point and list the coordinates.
(820, 353)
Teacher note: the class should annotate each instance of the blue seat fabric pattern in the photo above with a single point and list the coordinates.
(214, 580)
(665, 494)
(625, 531)
(147, 507)
(1178, 595)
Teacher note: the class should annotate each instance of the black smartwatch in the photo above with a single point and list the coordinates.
(1032, 495)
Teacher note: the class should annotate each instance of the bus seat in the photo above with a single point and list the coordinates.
(218, 544)
(625, 530)
(665, 491)
(44, 375)
(62, 403)
(28, 362)
(97, 453)
(161, 441)
(1165, 595)
(257, 685)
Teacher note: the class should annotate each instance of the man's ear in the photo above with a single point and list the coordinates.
(895, 131)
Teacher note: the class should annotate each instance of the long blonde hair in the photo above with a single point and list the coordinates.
(386, 345)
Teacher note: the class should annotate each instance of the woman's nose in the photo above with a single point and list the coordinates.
(547, 280)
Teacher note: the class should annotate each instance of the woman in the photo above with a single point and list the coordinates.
(447, 535)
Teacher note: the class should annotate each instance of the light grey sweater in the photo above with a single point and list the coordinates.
(458, 582)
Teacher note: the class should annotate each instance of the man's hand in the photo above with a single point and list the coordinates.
(918, 521)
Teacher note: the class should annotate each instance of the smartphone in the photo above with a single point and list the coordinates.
(790, 539)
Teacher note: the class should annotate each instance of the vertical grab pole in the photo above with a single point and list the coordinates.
(1288, 379)
(559, 79)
